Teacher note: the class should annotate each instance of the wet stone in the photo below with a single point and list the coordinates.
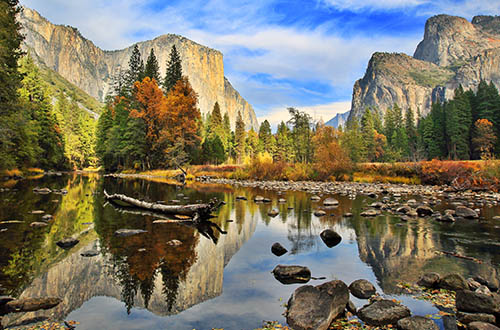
(278, 249)
(417, 323)
(453, 282)
(291, 274)
(362, 289)
(89, 253)
(319, 213)
(383, 312)
(67, 243)
(273, 213)
(330, 237)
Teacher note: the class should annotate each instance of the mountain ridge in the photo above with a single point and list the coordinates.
(63, 49)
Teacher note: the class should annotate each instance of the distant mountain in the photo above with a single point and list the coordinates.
(339, 120)
(64, 50)
(454, 51)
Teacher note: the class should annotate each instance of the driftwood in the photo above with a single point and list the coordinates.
(456, 255)
(195, 211)
(29, 305)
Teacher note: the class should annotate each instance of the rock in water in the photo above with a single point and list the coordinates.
(315, 198)
(129, 232)
(319, 213)
(424, 210)
(174, 242)
(481, 326)
(330, 202)
(362, 289)
(312, 307)
(474, 302)
(273, 213)
(454, 282)
(330, 237)
(89, 253)
(467, 318)
(291, 274)
(31, 304)
(37, 224)
(417, 323)
(370, 213)
(278, 249)
(67, 243)
(465, 212)
(383, 312)
(429, 280)
(258, 198)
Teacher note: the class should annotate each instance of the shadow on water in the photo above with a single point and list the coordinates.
(215, 274)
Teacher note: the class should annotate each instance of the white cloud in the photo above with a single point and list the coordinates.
(356, 5)
(317, 112)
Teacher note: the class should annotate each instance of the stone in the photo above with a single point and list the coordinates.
(467, 318)
(129, 232)
(281, 200)
(348, 215)
(492, 283)
(315, 198)
(5, 299)
(481, 326)
(474, 302)
(47, 217)
(267, 200)
(291, 274)
(273, 213)
(362, 289)
(42, 191)
(483, 289)
(67, 243)
(241, 198)
(424, 210)
(31, 304)
(330, 237)
(370, 213)
(319, 213)
(473, 284)
(37, 212)
(383, 312)
(454, 282)
(447, 217)
(496, 218)
(403, 209)
(174, 242)
(417, 323)
(258, 198)
(330, 202)
(465, 212)
(89, 253)
(351, 307)
(312, 307)
(377, 205)
(278, 249)
(37, 224)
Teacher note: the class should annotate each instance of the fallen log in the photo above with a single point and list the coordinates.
(29, 305)
(194, 211)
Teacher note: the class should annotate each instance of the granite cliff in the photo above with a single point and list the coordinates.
(453, 51)
(64, 50)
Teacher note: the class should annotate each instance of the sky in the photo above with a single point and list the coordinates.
(277, 54)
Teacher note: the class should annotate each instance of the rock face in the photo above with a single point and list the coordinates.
(316, 307)
(453, 51)
(339, 120)
(64, 50)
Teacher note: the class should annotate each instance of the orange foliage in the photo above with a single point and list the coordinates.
(330, 159)
(485, 138)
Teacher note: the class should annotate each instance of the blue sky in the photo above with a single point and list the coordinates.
(277, 54)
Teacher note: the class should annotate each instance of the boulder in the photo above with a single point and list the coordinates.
(424, 210)
(370, 213)
(383, 312)
(315, 198)
(429, 280)
(312, 307)
(319, 213)
(67, 243)
(474, 302)
(465, 212)
(467, 318)
(492, 283)
(481, 326)
(362, 289)
(291, 274)
(473, 284)
(454, 282)
(330, 202)
(351, 307)
(278, 249)
(330, 237)
(258, 198)
(417, 323)
(129, 232)
(273, 213)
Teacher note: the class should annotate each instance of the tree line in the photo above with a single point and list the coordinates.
(463, 128)
(34, 132)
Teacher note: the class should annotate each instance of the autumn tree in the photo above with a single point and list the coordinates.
(484, 137)
(239, 137)
(330, 160)
(174, 70)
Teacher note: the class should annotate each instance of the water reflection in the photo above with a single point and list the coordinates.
(149, 272)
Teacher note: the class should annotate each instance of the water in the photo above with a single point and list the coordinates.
(212, 280)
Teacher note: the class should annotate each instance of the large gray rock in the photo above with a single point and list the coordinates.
(424, 210)
(330, 202)
(362, 289)
(316, 307)
(417, 323)
(481, 326)
(467, 318)
(330, 237)
(465, 212)
(454, 282)
(383, 312)
(429, 280)
(291, 274)
(474, 302)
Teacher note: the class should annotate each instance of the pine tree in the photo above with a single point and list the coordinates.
(229, 143)
(174, 70)
(411, 132)
(152, 70)
(437, 139)
(301, 135)
(239, 137)
(135, 71)
(265, 135)
(464, 123)
(368, 135)
(284, 148)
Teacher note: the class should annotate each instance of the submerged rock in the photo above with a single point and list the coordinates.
(417, 323)
(278, 249)
(292, 274)
(370, 213)
(129, 232)
(273, 213)
(383, 312)
(330, 237)
(67, 243)
(362, 289)
(424, 210)
(312, 307)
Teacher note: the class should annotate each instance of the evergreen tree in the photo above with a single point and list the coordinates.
(174, 70)
(229, 141)
(239, 137)
(152, 70)
(452, 128)
(284, 148)
(265, 144)
(135, 71)
(353, 140)
(464, 120)
(368, 135)
(301, 135)
(437, 139)
(411, 132)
